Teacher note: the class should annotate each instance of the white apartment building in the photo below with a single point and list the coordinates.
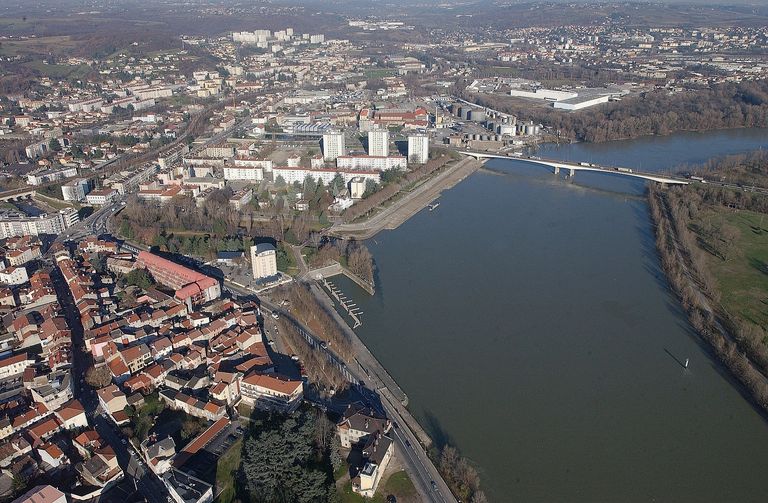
(85, 106)
(49, 223)
(370, 162)
(291, 175)
(378, 143)
(272, 392)
(75, 190)
(50, 175)
(248, 173)
(263, 261)
(146, 92)
(221, 151)
(254, 162)
(101, 197)
(14, 276)
(333, 145)
(247, 168)
(128, 181)
(418, 148)
(251, 37)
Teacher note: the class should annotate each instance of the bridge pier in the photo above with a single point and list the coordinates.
(572, 172)
(557, 170)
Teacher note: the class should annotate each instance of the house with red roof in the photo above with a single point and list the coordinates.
(87, 442)
(113, 402)
(51, 455)
(72, 415)
(43, 430)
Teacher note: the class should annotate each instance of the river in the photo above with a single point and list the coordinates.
(530, 324)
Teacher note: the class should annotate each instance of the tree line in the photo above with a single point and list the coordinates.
(354, 254)
(742, 348)
(315, 316)
(462, 478)
(747, 169)
(651, 113)
(319, 370)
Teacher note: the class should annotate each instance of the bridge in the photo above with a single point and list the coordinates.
(557, 165)
(17, 194)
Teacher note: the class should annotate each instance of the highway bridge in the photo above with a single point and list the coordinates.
(572, 168)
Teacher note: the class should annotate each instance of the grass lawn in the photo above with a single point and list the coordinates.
(244, 410)
(58, 44)
(59, 71)
(286, 262)
(743, 278)
(378, 73)
(398, 484)
(341, 471)
(226, 470)
(347, 496)
(54, 202)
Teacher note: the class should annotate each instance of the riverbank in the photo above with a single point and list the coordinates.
(406, 206)
(696, 296)
(413, 442)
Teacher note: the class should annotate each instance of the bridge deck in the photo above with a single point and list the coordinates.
(557, 164)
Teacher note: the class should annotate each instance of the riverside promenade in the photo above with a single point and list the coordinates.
(391, 217)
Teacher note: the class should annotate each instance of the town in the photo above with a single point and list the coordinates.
(173, 211)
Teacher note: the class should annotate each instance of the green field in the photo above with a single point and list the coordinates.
(37, 46)
(59, 71)
(743, 278)
(226, 471)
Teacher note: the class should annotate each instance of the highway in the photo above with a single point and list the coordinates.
(427, 479)
(95, 224)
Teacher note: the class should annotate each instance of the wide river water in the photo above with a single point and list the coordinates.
(530, 324)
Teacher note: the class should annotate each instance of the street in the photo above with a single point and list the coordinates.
(422, 470)
(151, 487)
(95, 224)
